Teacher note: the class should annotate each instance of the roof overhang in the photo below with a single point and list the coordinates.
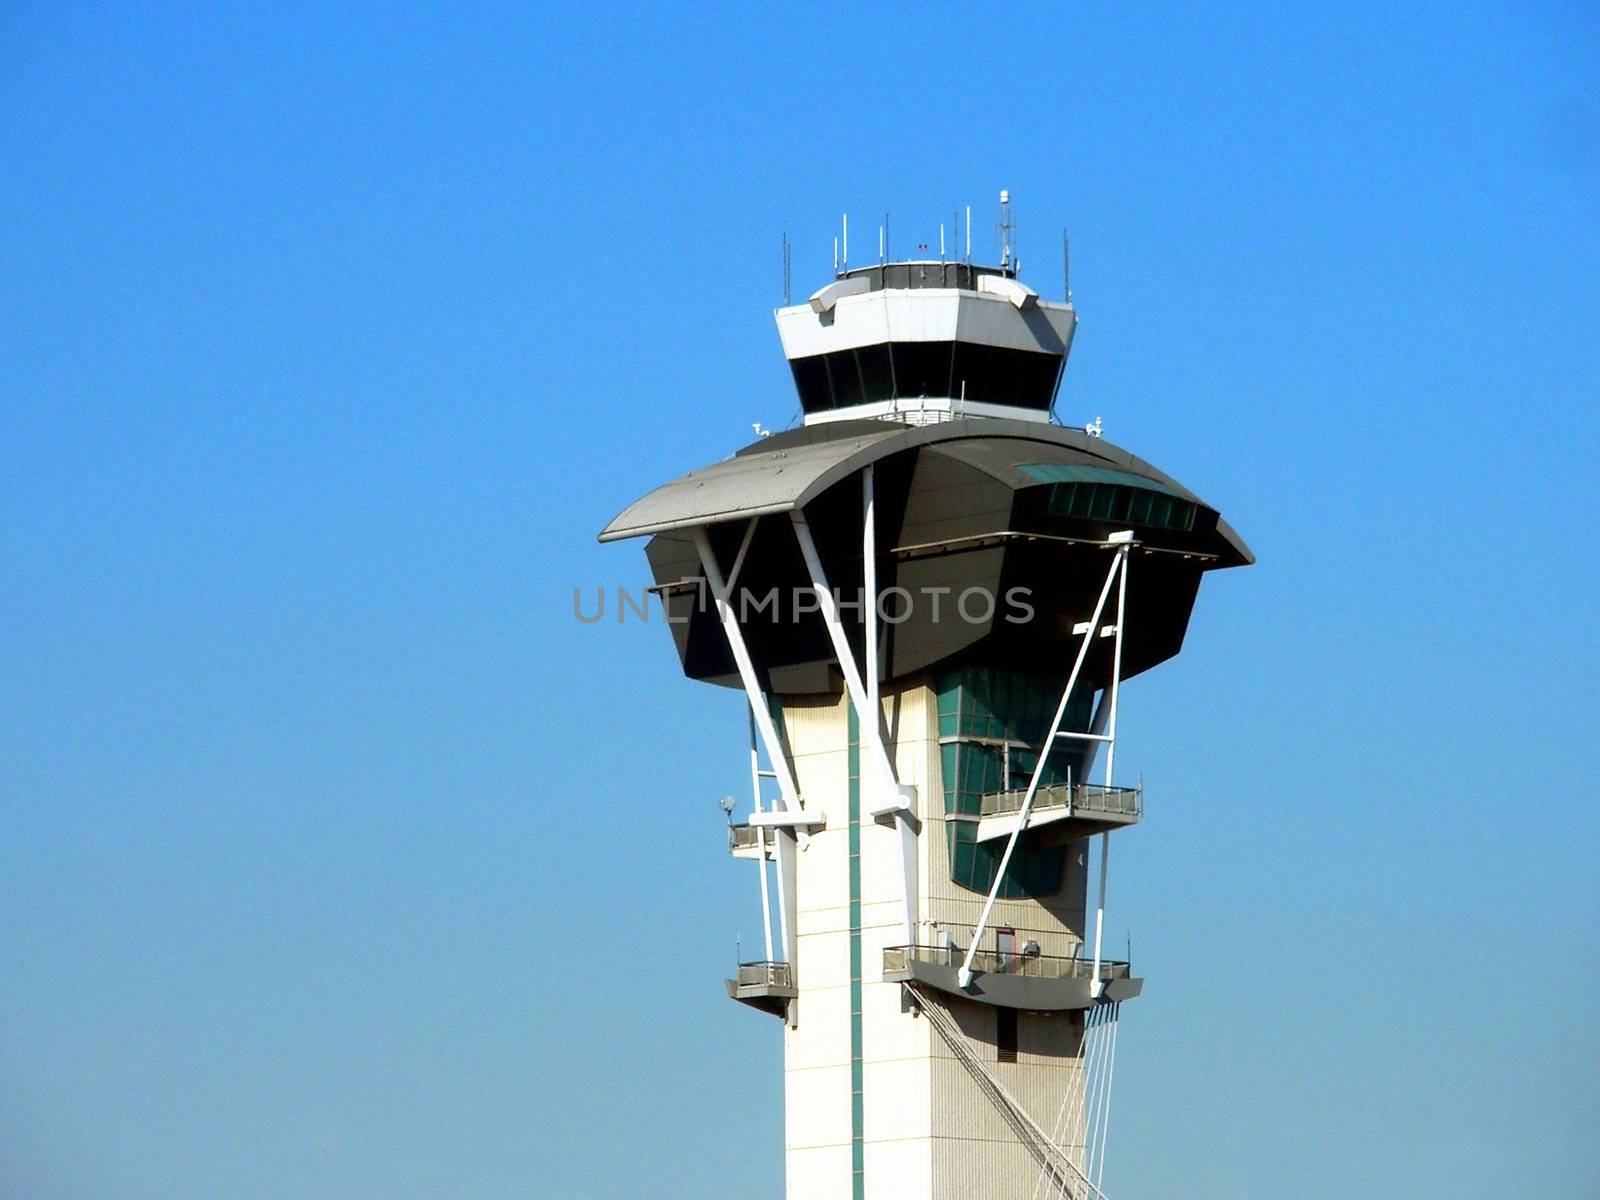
(787, 471)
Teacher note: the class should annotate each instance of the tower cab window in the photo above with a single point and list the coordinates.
(908, 370)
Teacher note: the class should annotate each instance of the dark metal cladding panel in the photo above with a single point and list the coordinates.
(944, 499)
(948, 498)
(931, 495)
(672, 558)
(939, 627)
(1062, 583)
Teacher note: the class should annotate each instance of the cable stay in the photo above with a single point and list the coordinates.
(1084, 1119)
(1066, 1176)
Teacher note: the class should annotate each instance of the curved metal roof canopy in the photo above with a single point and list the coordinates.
(788, 470)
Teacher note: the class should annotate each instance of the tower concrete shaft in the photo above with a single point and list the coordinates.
(877, 1102)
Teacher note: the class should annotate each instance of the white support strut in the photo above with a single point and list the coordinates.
(869, 584)
(1097, 731)
(788, 792)
(868, 717)
(1116, 663)
(964, 976)
(903, 816)
(1096, 984)
(761, 839)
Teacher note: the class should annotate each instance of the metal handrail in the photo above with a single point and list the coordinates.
(992, 962)
(1089, 797)
(744, 837)
(765, 974)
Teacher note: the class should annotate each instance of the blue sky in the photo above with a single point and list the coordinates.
(338, 860)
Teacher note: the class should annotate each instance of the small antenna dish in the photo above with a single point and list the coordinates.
(1095, 428)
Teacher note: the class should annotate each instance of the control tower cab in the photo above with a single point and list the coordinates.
(926, 341)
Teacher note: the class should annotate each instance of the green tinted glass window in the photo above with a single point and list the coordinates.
(994, 722)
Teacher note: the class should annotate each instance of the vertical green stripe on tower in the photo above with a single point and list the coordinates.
(858, 1182)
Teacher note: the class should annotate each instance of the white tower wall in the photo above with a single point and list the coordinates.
(922, 1126)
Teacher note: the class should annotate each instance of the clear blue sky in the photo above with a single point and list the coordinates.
(338, 861)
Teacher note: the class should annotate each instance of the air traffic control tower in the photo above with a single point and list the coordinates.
(931, 593)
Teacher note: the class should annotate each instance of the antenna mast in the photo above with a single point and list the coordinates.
(786, 268)
(1007, 229)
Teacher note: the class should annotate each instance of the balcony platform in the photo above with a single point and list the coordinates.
(744, 841)
(765, 986)
(1037, 983)
(1061, 813)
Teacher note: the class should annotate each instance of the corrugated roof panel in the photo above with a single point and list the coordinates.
(747, 485)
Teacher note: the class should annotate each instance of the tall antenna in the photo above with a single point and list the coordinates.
(786, 268)
(1066, 267)
(969, 233)
(941, 241)
(1006, 228)
(845, 261)
(883, 233)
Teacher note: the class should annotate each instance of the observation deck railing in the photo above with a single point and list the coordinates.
(898, 960)
(747, 838)
(1087, 798)
(765, 975)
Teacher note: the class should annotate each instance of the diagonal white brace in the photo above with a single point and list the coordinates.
(761, 839)
(964, 976)
(867, 716)
(788, 792)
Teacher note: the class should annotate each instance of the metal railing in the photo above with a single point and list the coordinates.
(766, 974)
(992, 962)
(1087, 798)
(746, 837)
